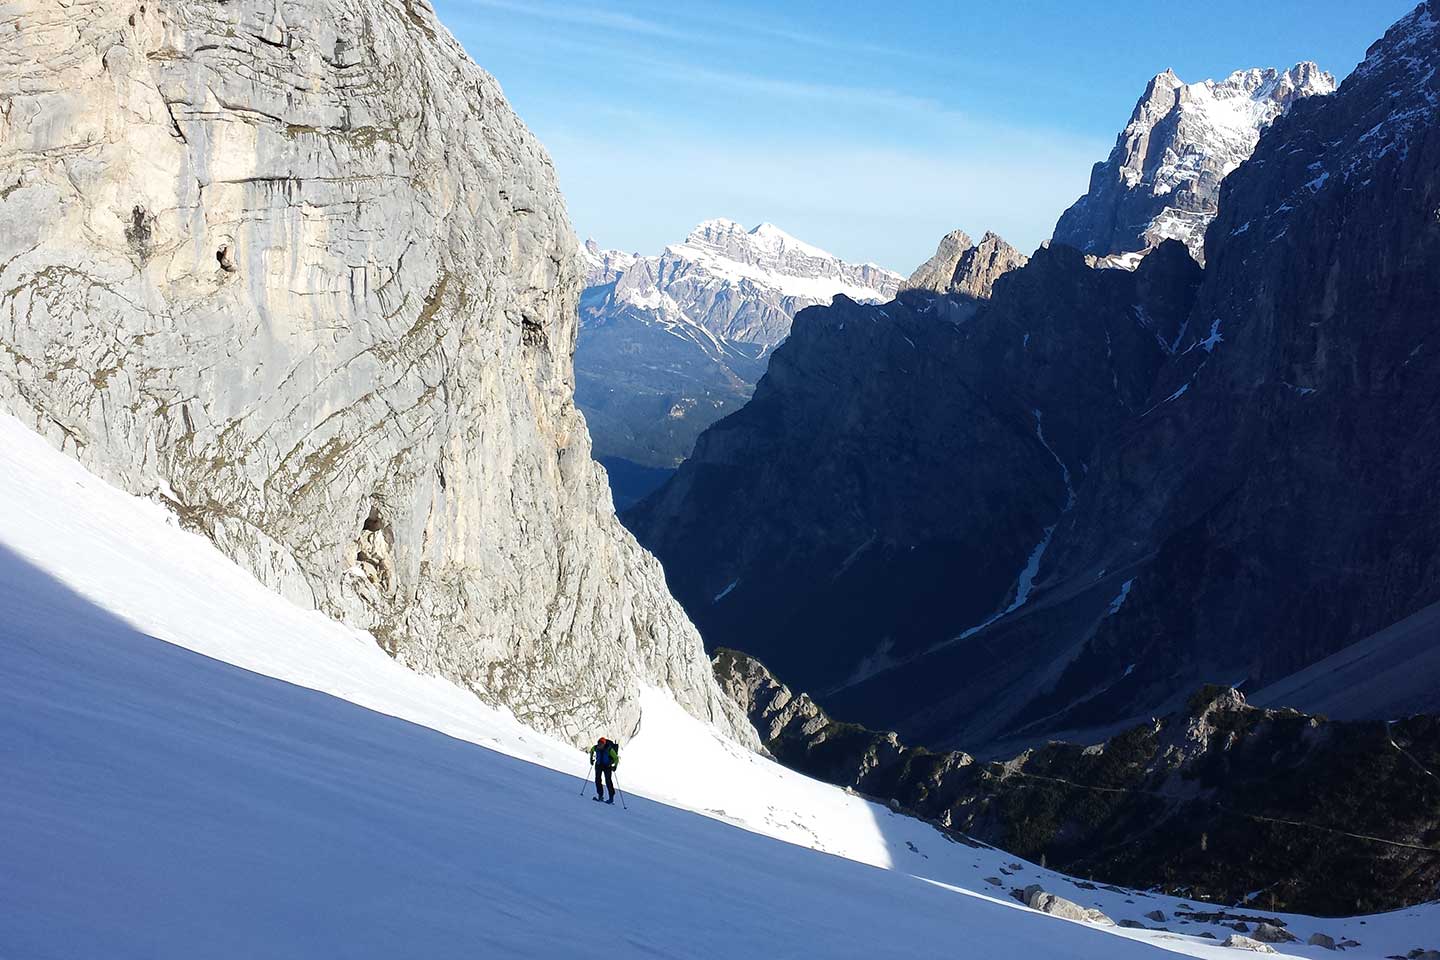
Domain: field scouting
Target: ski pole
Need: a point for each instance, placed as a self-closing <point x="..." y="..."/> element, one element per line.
<point x="623" y="804"/>
<point x="585" y="781"/>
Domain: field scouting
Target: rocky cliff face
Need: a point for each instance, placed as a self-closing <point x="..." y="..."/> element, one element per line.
<point x="894" y="482"/>
<point x="296" y="269"/>
<point x="965" y="268"/>
<point x="1067" y="508"/>
<point x="1162" y="180"/>
<point x="670" y="344"/>
<point x="1215" y="801"/>
<point x="1294" y="524"/>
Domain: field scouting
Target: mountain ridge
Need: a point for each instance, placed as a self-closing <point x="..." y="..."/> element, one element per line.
<point x="670" y="343"/>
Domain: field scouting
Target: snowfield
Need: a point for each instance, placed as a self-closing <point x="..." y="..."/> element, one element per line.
<point x="194" y="768"/>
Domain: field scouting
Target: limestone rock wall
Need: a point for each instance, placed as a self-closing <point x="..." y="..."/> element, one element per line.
<point x="297" y="269"/>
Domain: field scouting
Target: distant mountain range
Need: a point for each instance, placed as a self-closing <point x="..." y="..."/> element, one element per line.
<point x="669" y="344"/>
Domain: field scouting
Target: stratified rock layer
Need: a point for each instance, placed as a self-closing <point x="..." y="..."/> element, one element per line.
<point x="298" y="270"/>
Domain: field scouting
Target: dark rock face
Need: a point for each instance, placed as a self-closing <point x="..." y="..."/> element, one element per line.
<point x="1283" y="497"/>
<point x="900" y="467"/>
<point x="1058" y="512"/>
<point x="1214" y="801"/>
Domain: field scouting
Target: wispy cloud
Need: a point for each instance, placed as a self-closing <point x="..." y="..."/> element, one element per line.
<point x="698" y="29"/>
<point x="591" y="15"/>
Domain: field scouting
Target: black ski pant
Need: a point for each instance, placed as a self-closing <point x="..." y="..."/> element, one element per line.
<point x="609" y="773"/>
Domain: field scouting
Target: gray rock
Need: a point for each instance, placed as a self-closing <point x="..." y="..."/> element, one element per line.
<point x="1270" y="933"/>
<point x="296" y="269"/>
<point x="1321" y="940"/>
<point x="1036" y="898"/>
<point x="1157" y="915"/>
<point x="965" y="268"/>
<point x="1237" y="942"/>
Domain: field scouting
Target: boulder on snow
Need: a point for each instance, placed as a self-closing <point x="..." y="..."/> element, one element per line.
<point x="1157" y="915"/>
<point x="1321" y="940"/>
<point x="1270" y="933"/>
<point x="1036" y="898"/>
<point x="1238" y="942"/>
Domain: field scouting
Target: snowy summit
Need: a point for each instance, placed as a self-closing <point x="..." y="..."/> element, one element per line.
<point x="671" y="343"/>
<point x="740" y="285"/>
<point x="1162" y="179"/>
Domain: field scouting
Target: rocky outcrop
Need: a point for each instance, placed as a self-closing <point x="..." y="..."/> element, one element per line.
<point x="1215" y="801"/>
<point x="965" y="268"/>
<point x="797" y="732"/>
<point x="1037" y="898"/>
<point x="672" y="343"/>
<point x="1162" y="180"/>
<point x="296" y="269"/>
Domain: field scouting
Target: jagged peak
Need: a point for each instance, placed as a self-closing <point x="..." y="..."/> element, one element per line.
<point x="959" y="265"/>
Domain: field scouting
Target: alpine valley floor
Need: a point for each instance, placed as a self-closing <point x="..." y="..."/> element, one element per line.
<point x="195" y="768"/>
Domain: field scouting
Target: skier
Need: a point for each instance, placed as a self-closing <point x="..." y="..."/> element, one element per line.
<point x="605" y="757"/>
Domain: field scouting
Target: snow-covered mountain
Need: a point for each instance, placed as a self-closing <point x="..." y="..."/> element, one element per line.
<point x="195" y="767"/>
<point x="671" y="343"/>
<point x="742" y="286"/>
<point x="1162" y="180"/>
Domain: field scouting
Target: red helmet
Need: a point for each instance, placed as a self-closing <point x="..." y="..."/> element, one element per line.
<point x="603" y="741"/>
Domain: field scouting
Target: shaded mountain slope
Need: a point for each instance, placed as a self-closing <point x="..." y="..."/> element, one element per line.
<point x="1113" y="495"/>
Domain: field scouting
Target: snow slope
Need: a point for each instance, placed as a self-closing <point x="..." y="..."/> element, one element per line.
<point x="195" y="768"/>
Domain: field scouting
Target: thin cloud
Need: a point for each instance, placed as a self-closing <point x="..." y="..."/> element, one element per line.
<point x="591" y="16"/>
<point x="610" y="18"/>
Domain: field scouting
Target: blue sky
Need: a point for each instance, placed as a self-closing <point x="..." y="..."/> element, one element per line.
<point x="869" y="128"/>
